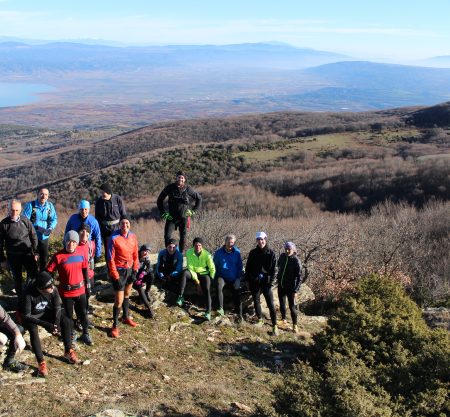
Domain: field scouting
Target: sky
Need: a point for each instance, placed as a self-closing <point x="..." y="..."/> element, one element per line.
<point x="382" y="29"/>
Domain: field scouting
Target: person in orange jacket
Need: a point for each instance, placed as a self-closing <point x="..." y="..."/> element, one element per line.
<point x="123" y="265"/>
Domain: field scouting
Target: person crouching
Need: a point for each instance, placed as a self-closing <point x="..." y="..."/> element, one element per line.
<point x="43" y="308"/>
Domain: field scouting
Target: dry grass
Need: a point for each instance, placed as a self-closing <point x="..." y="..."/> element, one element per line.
<point x="195" y="370"/>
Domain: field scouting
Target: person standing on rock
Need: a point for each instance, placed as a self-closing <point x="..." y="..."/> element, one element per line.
<point x="260" y="275"/>
<point x="123" y="265"/>
<point x="43" y="308"/>
<point x="289" y="280"/>
<point x="42" y="215"/>
<point x="229" y="270"/>
<point x="83" y="217"/>
<point x="183" y="203"/>
<point x="72" y="267"/>
<point x="201" y="269"/>
<point x="10" y="331"/>
<point x="88" y="247"/>
<point x="109" y="208"/>
<point x="18" y="238"/>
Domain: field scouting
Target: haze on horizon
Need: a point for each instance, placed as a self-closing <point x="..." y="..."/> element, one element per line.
<point x="399" y="31"/>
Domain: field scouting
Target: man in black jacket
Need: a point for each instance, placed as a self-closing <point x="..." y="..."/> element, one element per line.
<point x="19" y="239"/>
<point x="180" y="199"/>
<point x="109" y="208"/>
<point x="43" y="308"/>
<point x="260" y="275"/>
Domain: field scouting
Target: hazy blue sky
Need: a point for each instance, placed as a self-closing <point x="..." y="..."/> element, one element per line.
<point x="395" y="29"/>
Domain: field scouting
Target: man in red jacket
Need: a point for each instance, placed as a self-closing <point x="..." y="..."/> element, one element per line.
<point x="123" y="264"/>
<point x="72" y="267"/>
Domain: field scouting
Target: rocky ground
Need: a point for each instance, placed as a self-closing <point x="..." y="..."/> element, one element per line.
<point x="176" y="364"/>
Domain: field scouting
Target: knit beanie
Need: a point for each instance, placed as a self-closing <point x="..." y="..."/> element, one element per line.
<point x="106" y="188"/>
<point x="43" y="280"/>
<point x="71" y="235"/>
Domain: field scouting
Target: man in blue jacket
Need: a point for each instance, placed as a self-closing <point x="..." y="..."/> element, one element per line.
<point x="170" y="263"/>
<point x="42" y="215"/>
<point x="229" y="271"/>
<point x="83" y="216"/>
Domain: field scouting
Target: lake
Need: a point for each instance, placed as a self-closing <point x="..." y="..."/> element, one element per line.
<point x="18" y="94"/>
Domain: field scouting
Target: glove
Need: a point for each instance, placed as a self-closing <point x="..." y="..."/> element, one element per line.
<point x="47" y="232"/>
<point x="196" y="280"/>
<point x="49" y="327"/>
<point x="134" y="275"/>
<point x="166" y="216"/>
<point x="189" y="212"/>
<point x="174" y="274"/>
<point x="41" y="230"/>
<point x="19" y="343"/>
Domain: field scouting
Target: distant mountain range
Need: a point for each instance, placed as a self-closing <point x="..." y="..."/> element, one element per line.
<point x="151" y="83"/>
<point x="65" y="56"/>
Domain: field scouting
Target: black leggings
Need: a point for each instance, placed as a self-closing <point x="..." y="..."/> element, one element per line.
<point x="171" y="226"/>
<point x="221" y="283"/>
<point x="43" y="253"/>
<point x="66" y="330"/>
<point x="79" y="304"/>
<point x="257" y="288"/>
<point x="144" y="290"/>
<point x="290" y="294"/>
<point x="205" y="283"/>
<point x="10" y="353"/>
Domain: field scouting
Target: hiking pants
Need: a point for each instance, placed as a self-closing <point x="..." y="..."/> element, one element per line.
<point x="256" y="289"/>
<point x="236" y="291"/>
<point x="290" y="294"/>
<point x="66" y="330"/>
<point x="205" y="283"/>
<point x="16" y="264"/>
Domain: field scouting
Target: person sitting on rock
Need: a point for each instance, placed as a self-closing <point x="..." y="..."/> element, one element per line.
<point x="201" y="270"/>
<point x="170" y="263"/>
<point x="144" y="278"/>
<point x="229" y="270"/>
<point x="43" y="308"/>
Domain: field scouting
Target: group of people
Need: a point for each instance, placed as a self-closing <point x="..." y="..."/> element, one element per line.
<point x="24" y="241"/>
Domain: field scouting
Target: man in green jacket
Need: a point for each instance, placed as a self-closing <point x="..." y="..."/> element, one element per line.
<point x="201" y="269"/>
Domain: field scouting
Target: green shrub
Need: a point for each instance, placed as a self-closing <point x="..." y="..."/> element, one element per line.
<point x="376" y="358"/>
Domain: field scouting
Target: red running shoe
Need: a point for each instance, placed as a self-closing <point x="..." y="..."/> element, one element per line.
<point x="71" y="356"/>
<point x="114" y="332"/>
<point x="43" y="370"/>
<point x="129" y="322"/>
